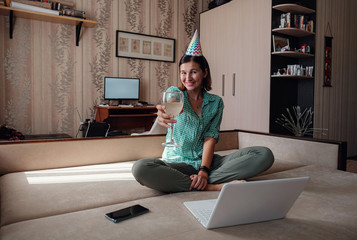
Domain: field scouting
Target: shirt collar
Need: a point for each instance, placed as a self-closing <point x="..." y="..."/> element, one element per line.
<point x="207" y="97"/>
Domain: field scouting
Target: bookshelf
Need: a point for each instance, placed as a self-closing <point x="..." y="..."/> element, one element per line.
<point x="293" y="54"/>
<point x="292" y="77"/>
<point x="291" y="89"/>
<point x="292" y="7"/>
<point x="15" y="12"/>
<point x="294" y="32"/>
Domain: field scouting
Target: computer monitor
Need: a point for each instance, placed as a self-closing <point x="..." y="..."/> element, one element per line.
<point x="119" y="88"/>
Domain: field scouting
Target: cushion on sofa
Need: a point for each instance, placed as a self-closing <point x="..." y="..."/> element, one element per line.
<point x="326" y="209"/>
<point x="35" y="194"/>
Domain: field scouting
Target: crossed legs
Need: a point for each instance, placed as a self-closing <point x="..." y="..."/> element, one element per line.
<point x="175" y="177"/>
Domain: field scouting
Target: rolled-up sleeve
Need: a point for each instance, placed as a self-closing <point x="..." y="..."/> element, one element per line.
<point x="213" y="130"/>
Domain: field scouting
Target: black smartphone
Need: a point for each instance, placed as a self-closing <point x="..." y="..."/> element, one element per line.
<point x="126" y="213"/>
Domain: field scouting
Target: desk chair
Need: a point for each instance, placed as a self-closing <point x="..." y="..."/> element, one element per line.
<point x="155" y="129"/>
<point x="97" y="129"/>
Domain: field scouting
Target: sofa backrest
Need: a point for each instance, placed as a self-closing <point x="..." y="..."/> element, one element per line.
<point x="308" y="151"/>
<point x="36" y="155"/>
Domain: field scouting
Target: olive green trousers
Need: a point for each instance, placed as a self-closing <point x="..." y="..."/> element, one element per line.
<point x="175" y="177"/>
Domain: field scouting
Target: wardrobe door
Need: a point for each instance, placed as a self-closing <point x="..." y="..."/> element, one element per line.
<point x="253" y="64"/>
<point x="208" y="39"/>
<point x="235" y="39"/>
<point x="217" y="42"/>
<point x="229" y="36"/>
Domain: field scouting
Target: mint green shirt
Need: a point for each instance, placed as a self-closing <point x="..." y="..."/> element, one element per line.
<point x="191" y="129"/>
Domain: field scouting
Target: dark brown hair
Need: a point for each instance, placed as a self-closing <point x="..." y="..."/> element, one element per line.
<point x="202" y="62"/>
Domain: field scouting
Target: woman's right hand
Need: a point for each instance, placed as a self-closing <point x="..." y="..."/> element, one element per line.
<point x="163" y="118"/>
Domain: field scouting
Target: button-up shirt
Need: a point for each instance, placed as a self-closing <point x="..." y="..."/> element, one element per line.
<point x="190" y="130"/>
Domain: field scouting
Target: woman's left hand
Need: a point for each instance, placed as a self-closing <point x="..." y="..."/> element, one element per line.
<point x="199" y="181"/>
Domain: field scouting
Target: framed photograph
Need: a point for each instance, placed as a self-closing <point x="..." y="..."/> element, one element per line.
<point x="142" y="46"/>
<point x="280" y="43"/>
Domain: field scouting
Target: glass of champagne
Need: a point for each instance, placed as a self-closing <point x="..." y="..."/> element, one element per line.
<point x="173" y="102"/>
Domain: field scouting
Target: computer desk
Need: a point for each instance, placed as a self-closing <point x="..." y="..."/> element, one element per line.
<point x="121" y="118"/>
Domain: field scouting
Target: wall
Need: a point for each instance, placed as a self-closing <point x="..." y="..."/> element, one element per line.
<point x="45" y="78"/>
<point x="336" y="106"/>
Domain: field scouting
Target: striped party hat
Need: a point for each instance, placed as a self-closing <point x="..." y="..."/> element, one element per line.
<point x="194" y="49"/>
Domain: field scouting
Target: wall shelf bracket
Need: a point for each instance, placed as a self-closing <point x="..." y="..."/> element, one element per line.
<point x="11" y="23"/>
<point x="78" y="32"/>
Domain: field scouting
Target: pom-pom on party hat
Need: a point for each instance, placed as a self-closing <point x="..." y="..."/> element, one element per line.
<point x="194" y="49"/>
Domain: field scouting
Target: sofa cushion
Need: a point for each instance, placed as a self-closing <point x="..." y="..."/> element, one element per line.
<point x="35" y="194"/>
<point x="325" y="210"/>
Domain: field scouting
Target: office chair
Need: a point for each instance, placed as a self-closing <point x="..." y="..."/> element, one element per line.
<point x="97" y="129"/>
<point x="155" y="129"/>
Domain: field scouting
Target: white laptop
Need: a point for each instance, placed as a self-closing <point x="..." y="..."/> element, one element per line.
<point x="248" y="202"/>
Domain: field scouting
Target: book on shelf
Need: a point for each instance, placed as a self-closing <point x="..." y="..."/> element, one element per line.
<point x="60" y="5"/>
<point x="42" y="4"/>
<point x="64" y="3"/>
<point x="73" y="13"/>
<point x="23" y="6"/>
<point x="291" y="20"/>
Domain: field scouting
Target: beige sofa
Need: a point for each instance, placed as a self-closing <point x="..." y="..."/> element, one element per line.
<point x="61" y="189"/>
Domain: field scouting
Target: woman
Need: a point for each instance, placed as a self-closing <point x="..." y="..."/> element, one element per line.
<point x="194" y="166"/>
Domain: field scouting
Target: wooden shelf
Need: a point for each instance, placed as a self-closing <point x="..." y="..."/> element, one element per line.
<point x="21" y="13"/>
<point x="291" y="76"/>
<point x="293" y="54"/>
<point x="130" y="108"/>
<point x="133" y="115"/>
<point x="294" y="32"/>
<point x="127" y="117"/>
<point x="294" y="8"/>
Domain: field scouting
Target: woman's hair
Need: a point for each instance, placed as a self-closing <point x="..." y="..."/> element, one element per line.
<point x="202" y="62"/>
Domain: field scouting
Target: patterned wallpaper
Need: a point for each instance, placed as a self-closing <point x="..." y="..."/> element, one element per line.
<point x="46" y="80"/>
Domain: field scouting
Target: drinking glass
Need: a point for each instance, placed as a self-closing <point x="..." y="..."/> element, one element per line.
<point x="173" y="101"/>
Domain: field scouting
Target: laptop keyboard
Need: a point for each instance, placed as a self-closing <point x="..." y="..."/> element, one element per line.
<point x="202" y="214"/>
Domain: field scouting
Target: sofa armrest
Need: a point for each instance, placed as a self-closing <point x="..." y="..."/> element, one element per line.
<point x="308" y="151"/>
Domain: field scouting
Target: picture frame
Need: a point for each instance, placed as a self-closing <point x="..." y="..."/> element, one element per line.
<point x="146" y="47"/>
<point x="279" y="43"/>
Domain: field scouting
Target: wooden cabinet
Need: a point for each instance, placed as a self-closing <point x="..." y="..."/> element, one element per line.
<point x="235" y="39"/>
<point x="292" y="88"/>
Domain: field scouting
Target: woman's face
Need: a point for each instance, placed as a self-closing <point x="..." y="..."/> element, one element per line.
<point x="191" y="75"/>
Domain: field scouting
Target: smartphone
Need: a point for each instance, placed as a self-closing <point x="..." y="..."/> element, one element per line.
<point x="126" y="213"/>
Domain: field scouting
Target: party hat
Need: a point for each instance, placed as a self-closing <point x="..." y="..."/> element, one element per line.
<point x="194" y="49"/>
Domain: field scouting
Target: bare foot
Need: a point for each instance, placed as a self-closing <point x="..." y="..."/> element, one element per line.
<point x="218" y="187"/>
